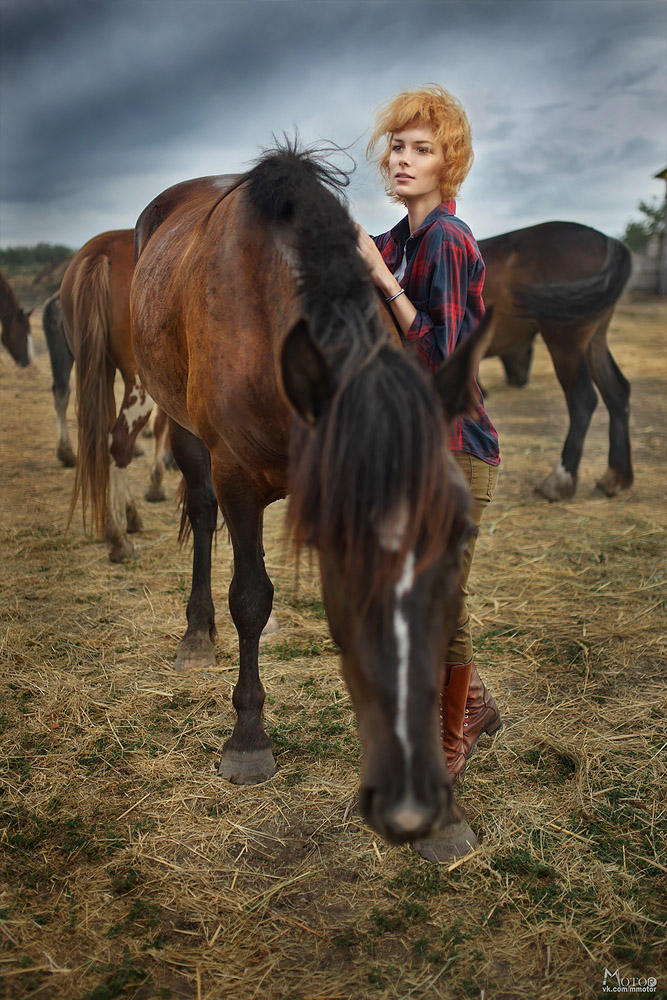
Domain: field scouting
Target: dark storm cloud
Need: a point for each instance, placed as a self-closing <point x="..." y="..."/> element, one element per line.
<point x="110" y="90"/>
<point x="104" y="102"/>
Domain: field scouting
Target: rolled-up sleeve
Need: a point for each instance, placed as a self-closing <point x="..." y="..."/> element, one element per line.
<point x="444" y="272"/>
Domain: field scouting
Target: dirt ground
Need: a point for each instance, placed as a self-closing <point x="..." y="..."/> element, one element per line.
<point x="128" y="868"/>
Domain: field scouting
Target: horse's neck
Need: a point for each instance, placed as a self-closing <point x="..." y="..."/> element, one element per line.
<point x="9" y="304"/>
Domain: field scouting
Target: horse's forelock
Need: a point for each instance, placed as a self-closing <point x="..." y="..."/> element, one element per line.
<point x="376" y="462"/>
<point x="294" y="191"/>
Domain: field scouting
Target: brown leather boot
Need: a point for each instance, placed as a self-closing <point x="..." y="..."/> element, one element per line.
<point x="452" y="715"/>
<point x="481" y="713"/>
<point x="464" y="723"/>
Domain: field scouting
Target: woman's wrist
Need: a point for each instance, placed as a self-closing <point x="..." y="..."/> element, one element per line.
<point x="391" y="288"/>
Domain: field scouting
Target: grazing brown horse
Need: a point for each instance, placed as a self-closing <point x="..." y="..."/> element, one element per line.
<point x="257" y="329"/>
<point x="15" y="325"/>
<point x="563" y="280"/>
<point x="95" y="300"/>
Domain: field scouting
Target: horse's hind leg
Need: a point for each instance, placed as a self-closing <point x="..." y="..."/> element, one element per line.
<point x="122" y="515"/>
<point x="61" y="360"/>
<point x="155" y="491"/>
<point x="196" y="649"/>
<point x="246" y="756"/>
<point x="615" y="391"/>
<point x="64" y="451"/>
<point x="572" y="371"/>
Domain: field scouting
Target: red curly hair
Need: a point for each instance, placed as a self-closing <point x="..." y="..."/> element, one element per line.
<point x="435" y="107"/>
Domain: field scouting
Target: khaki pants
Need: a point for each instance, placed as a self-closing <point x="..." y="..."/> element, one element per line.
<point x="482" y="480"/>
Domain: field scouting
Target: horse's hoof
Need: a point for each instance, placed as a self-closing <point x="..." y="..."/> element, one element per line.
<point x="612" y="483"/>
<point x="123" y="551"/>
<point x="66" y="456"/>
<point x="270" y="627"/>
<point x="559" y="485"/>
<point x="155" y="494"/>
<point x="247" y="767"/>
<point x="195" y="652"/>
<point x="456" y="840"/>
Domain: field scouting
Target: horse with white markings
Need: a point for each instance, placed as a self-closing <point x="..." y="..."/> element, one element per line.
<point x="257" y="329"/>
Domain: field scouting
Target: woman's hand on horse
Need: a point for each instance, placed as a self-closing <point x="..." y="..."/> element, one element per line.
<point x="378" y="270"/>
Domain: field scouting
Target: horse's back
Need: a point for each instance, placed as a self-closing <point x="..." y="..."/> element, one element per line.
<point x="206" y="270"/>
<point x="110" y="252"/>
<point x="551" y="252"/>
<point x="199" y="193"/>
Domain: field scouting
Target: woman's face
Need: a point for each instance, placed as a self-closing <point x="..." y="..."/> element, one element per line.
<point x="416" y="163"/>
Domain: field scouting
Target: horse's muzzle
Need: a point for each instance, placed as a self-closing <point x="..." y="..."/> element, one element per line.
<point x="407" y="819"/>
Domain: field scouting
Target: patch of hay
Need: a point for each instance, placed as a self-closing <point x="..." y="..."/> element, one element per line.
<point x="129" y="868"/>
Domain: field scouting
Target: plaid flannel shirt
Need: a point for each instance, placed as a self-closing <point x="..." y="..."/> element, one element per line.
<point x="443" y="280"/>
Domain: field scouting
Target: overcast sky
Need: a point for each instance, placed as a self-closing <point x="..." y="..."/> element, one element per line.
<point x="104" y="103"/>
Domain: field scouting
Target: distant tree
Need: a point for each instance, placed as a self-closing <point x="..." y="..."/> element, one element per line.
<point x="639" y="231"/>
<point x="34" y="256"/>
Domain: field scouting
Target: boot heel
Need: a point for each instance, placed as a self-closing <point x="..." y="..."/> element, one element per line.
<point x="493" y="726"/>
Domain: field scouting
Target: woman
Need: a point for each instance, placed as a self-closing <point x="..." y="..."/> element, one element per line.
<point x="431" y="273"/>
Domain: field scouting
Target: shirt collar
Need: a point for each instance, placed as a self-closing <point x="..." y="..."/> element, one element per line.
<point x="401" y="231"/>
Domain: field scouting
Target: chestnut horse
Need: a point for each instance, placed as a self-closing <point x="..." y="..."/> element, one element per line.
<point x="256" y="327"/>
<point x="95" y="304"/>
<point x="15" y="325"/>
<point x="563" y="280"/>
<point x="62" y="361"/>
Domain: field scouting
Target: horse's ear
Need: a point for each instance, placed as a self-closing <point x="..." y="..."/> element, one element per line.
<point x="455" y="380"/>
<point x="306" y="374"/>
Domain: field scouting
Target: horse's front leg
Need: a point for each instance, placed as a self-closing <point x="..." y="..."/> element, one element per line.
<point x="122" y="515"/>
<point x="247" y="757"/>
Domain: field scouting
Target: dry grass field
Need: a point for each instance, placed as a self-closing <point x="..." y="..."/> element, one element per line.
<point x="129" y="869"/>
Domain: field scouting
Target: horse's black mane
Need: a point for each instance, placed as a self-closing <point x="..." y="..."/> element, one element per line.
<point x="298" y="190"/>
<point x="379" y="453"/>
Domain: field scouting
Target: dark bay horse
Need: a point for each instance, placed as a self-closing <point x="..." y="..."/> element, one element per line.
<point x="563" y="280"/>
<point x="15" y="325"/>
<point x="95" y="310"/>
<point x="256" y="328"/>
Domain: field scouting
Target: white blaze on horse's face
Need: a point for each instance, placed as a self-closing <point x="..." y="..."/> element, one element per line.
<point x="391" y="532"/>
<point x="402" y="634"/>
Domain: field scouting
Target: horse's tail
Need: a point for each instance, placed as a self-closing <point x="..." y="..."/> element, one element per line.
<point x="91" y="306"/>
<point x="580" y="300"/>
